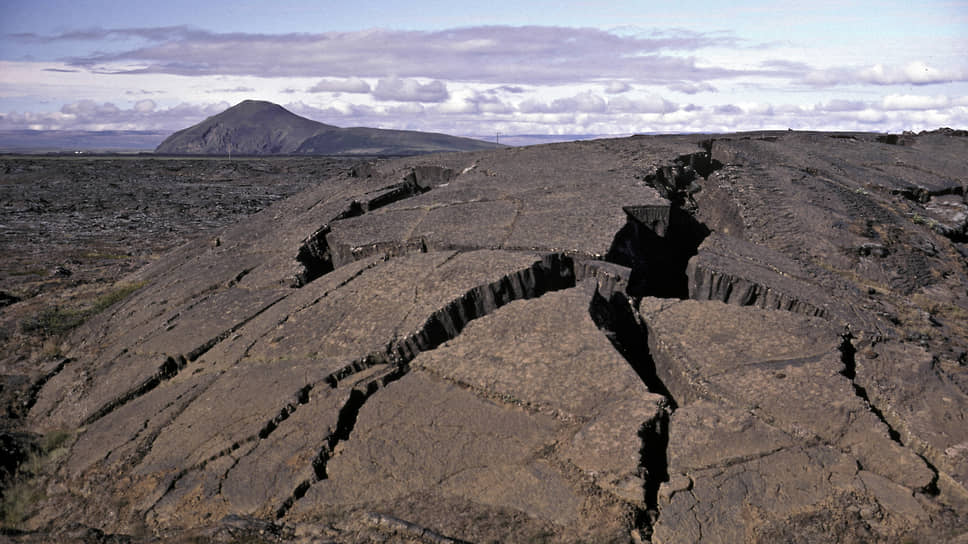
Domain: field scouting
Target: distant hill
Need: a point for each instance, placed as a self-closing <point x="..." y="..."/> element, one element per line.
<point x="256" y="127"/>
<point x="60" y="141"/>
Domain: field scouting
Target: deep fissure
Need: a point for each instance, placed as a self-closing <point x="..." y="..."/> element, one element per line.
<point x="657" y="242"/>
<point x="657" y="251"/>
<point x="618" y="320"/>
<point x="553" y="272"/>
<point x="315" y="254"/>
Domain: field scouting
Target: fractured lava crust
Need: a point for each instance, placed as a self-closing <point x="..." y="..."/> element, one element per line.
<point x="501" y="346"/>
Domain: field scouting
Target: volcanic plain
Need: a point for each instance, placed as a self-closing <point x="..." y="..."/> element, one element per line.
<point x="732" y="338"/>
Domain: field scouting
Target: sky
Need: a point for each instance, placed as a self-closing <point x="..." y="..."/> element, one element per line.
<point x="489" y="67"/>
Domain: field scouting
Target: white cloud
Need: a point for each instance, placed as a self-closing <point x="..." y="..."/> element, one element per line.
<point x="917" y="73"/>
<point x="410" y="108"/>
<point x="728" y="109"/>
<point x="410" y="90"/>
<point x="645" y="104"/>
<point x="586" y="102"/>
<point x="231" y="90"/>
<point x="840" y="104"/>
<point x="912" y="73"/>
<point x="90" y="115"/>
<point x="347" y="85"/>
<point x="914" y="102"/>
<point x="686" y="87"/>
<point x="469" y="101"/>
<point x="617" y="87"/>
<point x="758" y="108"/>
<point x="870" y="116"/>
<point x="144" y="106"/>
<point x="513" y="89"/>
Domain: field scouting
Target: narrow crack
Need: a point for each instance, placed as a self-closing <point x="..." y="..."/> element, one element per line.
<point x="552" y="273"/>
<point x="147" y="443"/>
<point x="166" y="371"/>
<point x="171" y="367"/>
<point x="34" y="390"/>
<point x="848" y="353"/>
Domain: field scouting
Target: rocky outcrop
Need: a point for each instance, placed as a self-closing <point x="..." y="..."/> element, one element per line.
<point x="653" y="338"/>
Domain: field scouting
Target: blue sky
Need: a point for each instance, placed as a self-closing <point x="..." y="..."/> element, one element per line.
<point x="477" y="68"/>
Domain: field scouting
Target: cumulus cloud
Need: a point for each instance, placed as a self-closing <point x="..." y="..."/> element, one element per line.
<point x="760" y="109"/>
<point x="647" y="104"/>
<point x="617" y="87"/>
<point x="870" y="116"/>
<point x="336" y="109"/>
<point x="474" y="102"/>
<point x="90" y="108"/>
<point x="913" y="73"/>
<point x="586" y="102"/>
<point x="513" y="89"/>
<point x="410" y="90"/>
<point x="916" y="73"/>
<point x="789" y="66"/>
<point x="686" y="87"/>
<point x="728" y="109"/>
<point x="91" y="115"/>
<point x="348" y="85"/>
<point x="405" y="109"/>
<point x="839" y="104"/>
<point x="914" y="102"/>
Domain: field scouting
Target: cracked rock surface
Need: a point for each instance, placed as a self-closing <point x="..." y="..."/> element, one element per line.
<point x="746" y="338"/>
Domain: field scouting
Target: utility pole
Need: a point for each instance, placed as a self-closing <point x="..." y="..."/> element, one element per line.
<point x="497" y="138"/>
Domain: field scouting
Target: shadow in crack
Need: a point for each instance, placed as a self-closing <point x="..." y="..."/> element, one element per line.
<point x="620" y="323"/>
<point x="617" y="319"/>
<point x="658" y="263"/>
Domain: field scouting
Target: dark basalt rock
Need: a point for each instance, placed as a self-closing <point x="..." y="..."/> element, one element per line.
<point x="677" y="339"/>
<point x="7" y="299"/>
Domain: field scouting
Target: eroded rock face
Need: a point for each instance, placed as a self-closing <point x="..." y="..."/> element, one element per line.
<point x="495" y="346"/>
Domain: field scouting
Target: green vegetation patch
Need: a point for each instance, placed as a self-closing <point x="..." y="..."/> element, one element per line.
<point x="58" y="320"/>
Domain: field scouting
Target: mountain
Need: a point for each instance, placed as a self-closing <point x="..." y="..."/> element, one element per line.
<point x="255" y="127"/>
<point x="251" y="127"/>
